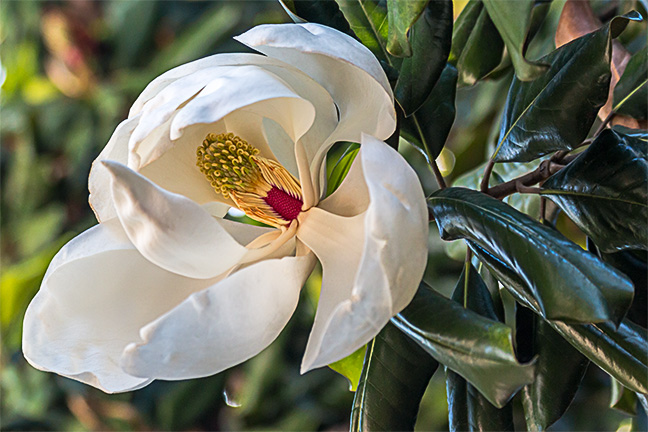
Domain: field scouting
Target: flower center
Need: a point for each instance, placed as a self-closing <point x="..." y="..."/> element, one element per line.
<point x="260" y="187"/>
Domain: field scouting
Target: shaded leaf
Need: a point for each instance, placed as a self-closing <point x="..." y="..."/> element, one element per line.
<point x="368" y="20"/>
<point x="482" y="51"/>
<point x="545" y="402"/>
<point x="324" y="12"/>
<point x="477" y="348"/>
<point x="631" y="92"/>
<point x="341" y="168"/>
<point x="560" y="280"/>
<point x="430" y="40"/>
<point x="557" y="110"/>
<point x="621" y="352"/>
<point x="395" y="375"/>
<point x="401" y="15"/>
<point x="605" y="191"/>
<point x="429" y="127"/>
<point x="468" y="409"/>
<point x="636" y="268"/>
<point x="513" y="19"/>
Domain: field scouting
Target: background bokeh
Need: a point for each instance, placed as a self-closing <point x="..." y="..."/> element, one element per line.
<point x="69" y="72"/>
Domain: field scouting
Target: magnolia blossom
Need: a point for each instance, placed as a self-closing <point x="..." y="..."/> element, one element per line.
<point x="165" y="288"/>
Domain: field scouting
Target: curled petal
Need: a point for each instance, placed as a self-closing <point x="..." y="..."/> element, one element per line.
<point x="372" y="262"/>
<point x="96" y="295"/>
<point x="100" y="198"/>
<point x="223" y="325"/>
<point x="170" y="230"/>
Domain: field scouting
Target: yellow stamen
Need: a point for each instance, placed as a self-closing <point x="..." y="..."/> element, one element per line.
<point x="260" y="187"/>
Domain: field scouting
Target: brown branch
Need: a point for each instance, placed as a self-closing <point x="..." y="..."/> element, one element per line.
<point x="487" y="173"/>
<point x="521" y="184"/>
<point x="437" y="173"/>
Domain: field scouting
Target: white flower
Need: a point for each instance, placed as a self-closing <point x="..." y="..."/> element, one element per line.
<point x="165" y="288"/>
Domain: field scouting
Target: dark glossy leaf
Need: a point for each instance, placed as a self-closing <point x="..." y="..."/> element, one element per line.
<point x="429" y="127"/>
<point x="558" y="362"/>
<point x="561" y="280"/>
<point x="368" y="20"/>
<point x="430" y="38"/>
<point x="636" y="269"/>
<point x="324" y="12"/>
<point x="631" y="92"/>
<point x="512" y="19"/>
<point x="468" y="409"/>
<point x="605" y="191"/>
<point x="477" y="348"/>
<point x="477" y="47"/>
<point x="557" y="110"/>
<point x="623" y="399"/>
<point x="395" y="375"/>
<point x="622" y="352"/>
<point x="401" y="15"/>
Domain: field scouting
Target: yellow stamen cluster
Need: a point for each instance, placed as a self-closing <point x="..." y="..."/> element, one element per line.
<point x="228" y="163"/>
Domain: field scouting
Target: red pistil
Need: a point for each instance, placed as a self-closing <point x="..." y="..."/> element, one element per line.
<point x="286" y="205"/>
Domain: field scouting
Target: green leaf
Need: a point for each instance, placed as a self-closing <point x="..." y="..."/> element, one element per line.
<point x="350" y="367"/>
<point x="631" y="92"/>
<point x="477" y="47"/>
<point x="429" y="127"/>
<point x="468" y="409"/>
<point x="430" y="39"/>
<point x="605" y="191"/>
<point x="401" y="15"/>
<point x="545" y="402"/>
<point x="557" y="110"/>
<point x="561" y="280"/>
<point x="622" y="399"/>
<point x="512" y="19"/>
<point x="621" y="352"/>
<point x="394" y="378"/>
<point x="477" y="348"/>
<point x="368" y="20"/>
<point x="324" y="12"/>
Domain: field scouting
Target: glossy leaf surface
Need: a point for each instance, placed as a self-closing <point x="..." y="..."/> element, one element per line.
<point x="395" y="375"/>
<point x="468" y="409"/>
<point x="545" y="401"/>
<point x="430" y="39"/>
<point x="557" y="110"/>
<point x="560" y="279"/>
<point x="368" y="20"/>
<point x="477" y="348"/>
<point x="631" y="92"/>
<point x="622" y="352"/>
<point x="512" y="19"/>
<point x="605" y="191"/>
<point x="429" y="127"/>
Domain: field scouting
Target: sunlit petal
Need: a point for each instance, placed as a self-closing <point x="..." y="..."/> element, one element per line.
<point x="223" y="325"/>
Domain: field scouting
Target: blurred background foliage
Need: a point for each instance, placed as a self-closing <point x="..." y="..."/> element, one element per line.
<point x="70" y="71"/>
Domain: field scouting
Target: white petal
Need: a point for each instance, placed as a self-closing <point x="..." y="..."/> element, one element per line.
<point x="97" y="293"/>
<point x="233" y="87"/>
<point x="171" y="230"/>
<point x="343" y="66"/>
<point x="371" y="270"/>
<point x="100" y="198"/>
<point x="223" y="325"/>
